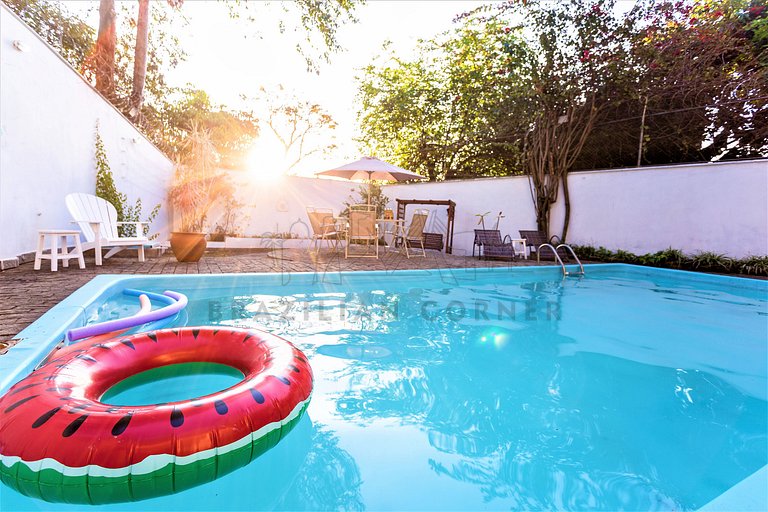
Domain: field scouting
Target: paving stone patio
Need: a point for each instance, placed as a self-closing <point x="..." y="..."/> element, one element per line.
<point x="25" y="294"/>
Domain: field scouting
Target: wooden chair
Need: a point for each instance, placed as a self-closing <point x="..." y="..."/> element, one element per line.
<point x="324" y="228"/>
<point x="491" y="245"/>
<point x="414" y="236"/>
<point x="97" y="219"/>
<point x="362" y="229"/>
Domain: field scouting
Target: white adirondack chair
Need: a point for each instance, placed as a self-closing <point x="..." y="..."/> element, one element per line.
<point x="97" y="219"/>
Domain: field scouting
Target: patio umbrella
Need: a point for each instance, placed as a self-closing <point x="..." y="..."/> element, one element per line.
<point x="369" y="168"/>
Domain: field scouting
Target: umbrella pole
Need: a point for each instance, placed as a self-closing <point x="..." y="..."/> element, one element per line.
<point x="370" y="187"/>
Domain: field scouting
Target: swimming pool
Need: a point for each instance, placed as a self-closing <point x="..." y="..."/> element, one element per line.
<point x="629" y="388"/>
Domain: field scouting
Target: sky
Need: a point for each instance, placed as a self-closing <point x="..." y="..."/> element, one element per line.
<point x="228" y="58"/>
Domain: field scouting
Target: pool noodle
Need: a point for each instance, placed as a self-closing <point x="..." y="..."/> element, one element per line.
<point x="144" y="306"/>
<point x="176" y="302"/>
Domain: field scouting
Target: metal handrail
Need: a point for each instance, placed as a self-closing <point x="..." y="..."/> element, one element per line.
<point x="558" y="258"/>
<point x="573" y="253"/>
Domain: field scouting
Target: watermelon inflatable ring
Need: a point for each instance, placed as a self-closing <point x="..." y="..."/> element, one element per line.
<point x="58" y="442"/>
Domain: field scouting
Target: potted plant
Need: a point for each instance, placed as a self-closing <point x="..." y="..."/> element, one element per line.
<point x="197" y="185"/>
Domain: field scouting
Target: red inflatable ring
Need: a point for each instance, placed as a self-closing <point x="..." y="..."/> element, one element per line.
<point x="58" y="442"/>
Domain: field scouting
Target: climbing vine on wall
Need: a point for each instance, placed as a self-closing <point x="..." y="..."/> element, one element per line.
<point x="106" y="189"/>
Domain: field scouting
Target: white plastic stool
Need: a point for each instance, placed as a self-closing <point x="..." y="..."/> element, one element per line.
<point x="56" y="236"/>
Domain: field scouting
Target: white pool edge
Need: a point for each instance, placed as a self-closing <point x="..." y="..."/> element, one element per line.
<point x="751" y="494"/>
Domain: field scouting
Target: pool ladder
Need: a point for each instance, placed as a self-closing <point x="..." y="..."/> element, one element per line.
<point x="559" y="259"/>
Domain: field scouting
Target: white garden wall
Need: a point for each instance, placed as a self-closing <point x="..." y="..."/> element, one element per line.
<point x="48" y="117"/>
<point x="279" y="205"/>
<point x="719" y="207"/>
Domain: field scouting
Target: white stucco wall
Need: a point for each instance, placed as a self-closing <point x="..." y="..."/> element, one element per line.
<point x="719" y="207"/>
<point x="279" y="205"/>
<point x="48" y="116"/>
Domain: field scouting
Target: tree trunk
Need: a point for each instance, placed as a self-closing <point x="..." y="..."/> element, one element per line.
<point x="105" y="50"/>
<point x="567" y="202"/>
<point x="140" y="61"/>
<point x="542" y="215"/>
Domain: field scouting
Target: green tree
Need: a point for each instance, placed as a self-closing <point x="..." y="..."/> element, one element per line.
<point x="578" y="69"/>
<point x="302" y="127"/>
<point x="434" y="114"/>
<point x="231" y="132"/>
<point x="700" y="87"/>
<point x="316" y="21"/>
<point x="515" y="88"/>
<point x="69" y="35"/>
<point x="141" y="48"/>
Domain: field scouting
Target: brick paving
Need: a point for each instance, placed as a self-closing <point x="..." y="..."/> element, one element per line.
<point x="25" y="294"/>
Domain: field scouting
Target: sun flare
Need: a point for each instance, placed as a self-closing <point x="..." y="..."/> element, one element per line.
<point x="266" y="161"/>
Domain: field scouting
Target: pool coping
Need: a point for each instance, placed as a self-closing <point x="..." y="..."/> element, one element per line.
<point x="45" y="333"/>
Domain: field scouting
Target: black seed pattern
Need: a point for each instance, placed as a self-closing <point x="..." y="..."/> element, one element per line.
<point x="215" y="332"/>
<point x="20" y="402"/>
<point x="300" y="358"/>
<point x="72" y="427"/>
<point x="283" y="380"/>
<point x="78" y="408"/>
<point x="45" y="417"/>
<point x="101" y="345"/>
<point x="22" y="388"/>
<point x="221" y="407"/>
<point x="195" y="332"/>
<point x="256" y="394"/>
<point x="294" y="369"/>
<point x="152" y="336"/>
<point x="247" y="337"/>
<point x="121" y="424"/>
<point x="58" y="390"/>
<point x="128" y="344"/>
<point x="86" y="358"/>
<point x="177" y="418"/>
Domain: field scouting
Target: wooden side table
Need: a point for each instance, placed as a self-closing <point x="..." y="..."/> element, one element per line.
<point x="58" y="236"/>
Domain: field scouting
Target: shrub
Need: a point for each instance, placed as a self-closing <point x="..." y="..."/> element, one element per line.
<point x="106" y="189"/>
<point x="710" y="261"/>
<point x="753" y="265"/>
<point x="673" y="258"/>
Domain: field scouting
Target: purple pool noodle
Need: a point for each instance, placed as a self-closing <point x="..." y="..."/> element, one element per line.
<point x="131" y="321"/>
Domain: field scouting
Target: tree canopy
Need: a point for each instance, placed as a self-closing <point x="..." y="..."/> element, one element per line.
<point x="541" y="88"/>
<point x="669" y="81"/>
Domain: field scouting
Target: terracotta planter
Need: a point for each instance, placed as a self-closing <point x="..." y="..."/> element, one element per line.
<point x="188" y="246"/>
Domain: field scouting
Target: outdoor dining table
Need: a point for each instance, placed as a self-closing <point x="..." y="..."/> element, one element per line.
<point x="393" y="227"/>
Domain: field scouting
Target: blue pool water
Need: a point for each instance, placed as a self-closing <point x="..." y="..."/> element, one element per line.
<point x="501" y="389"/>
